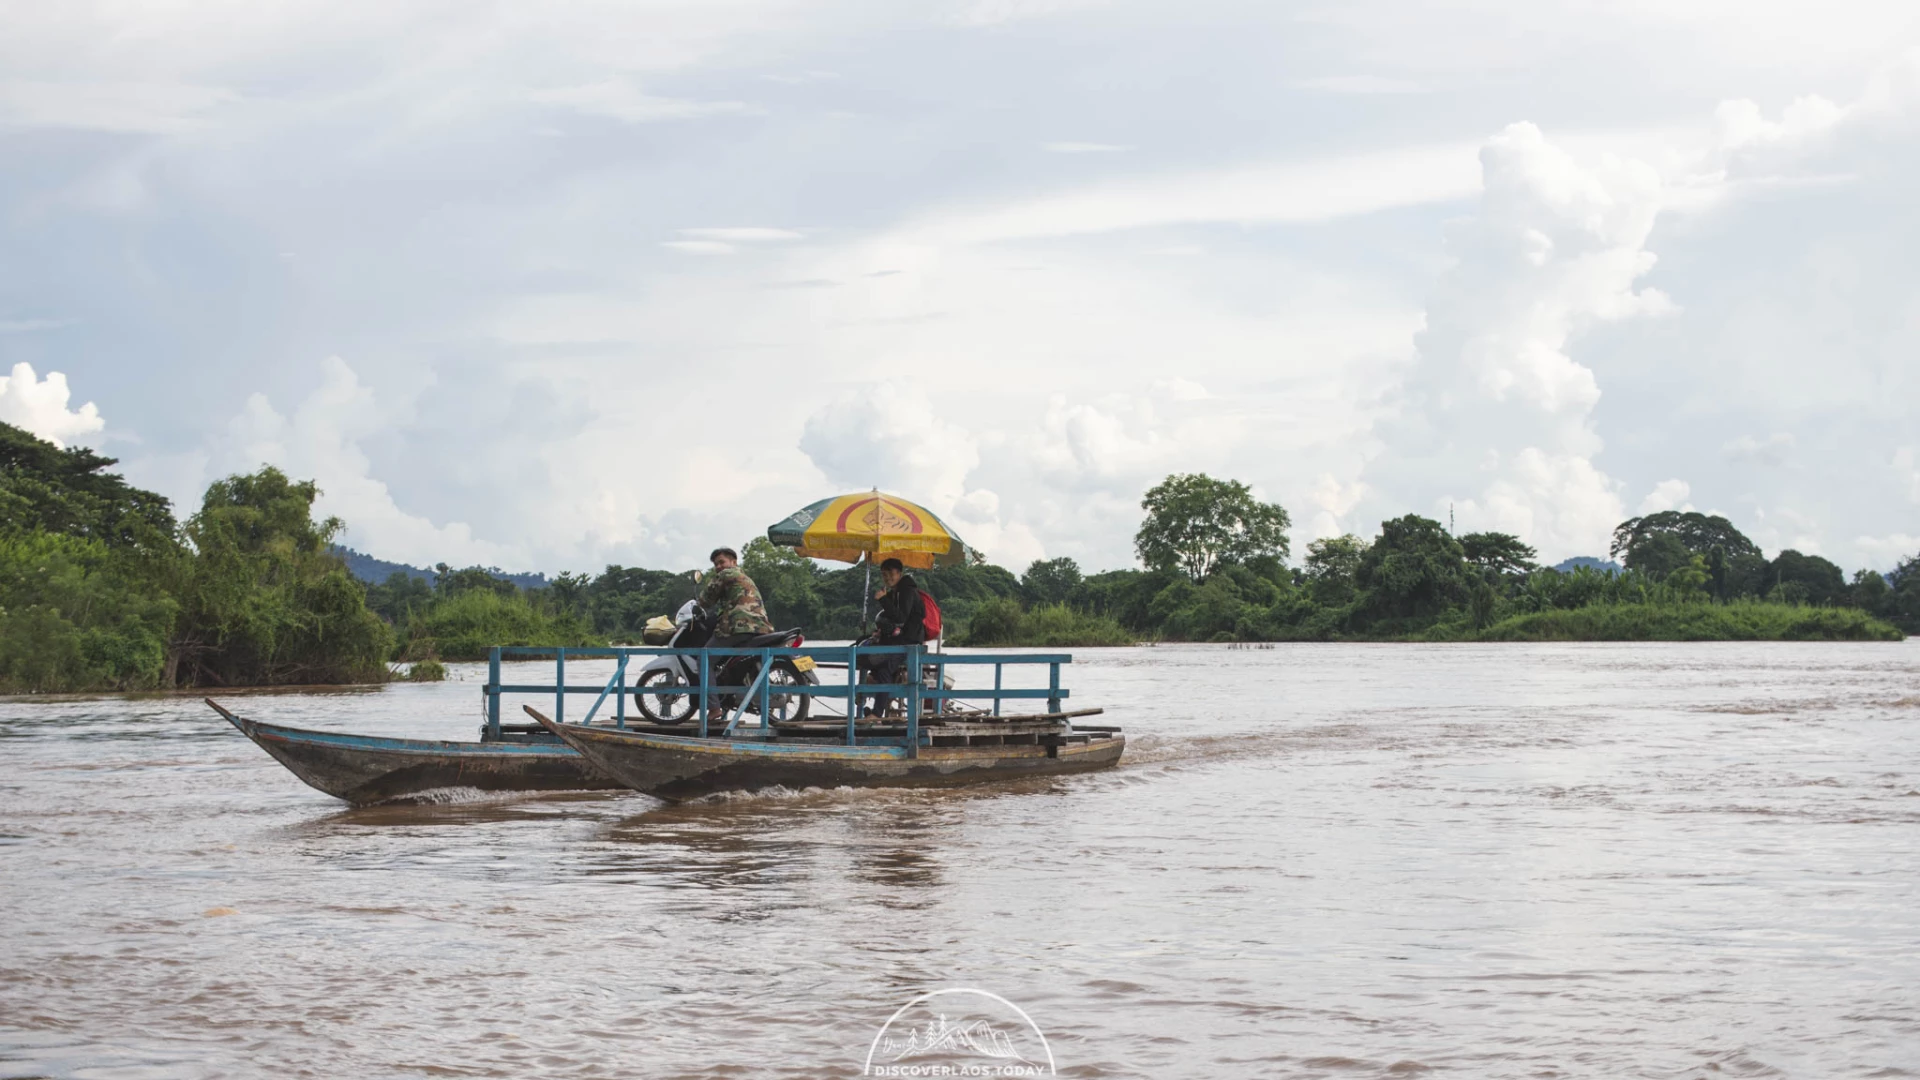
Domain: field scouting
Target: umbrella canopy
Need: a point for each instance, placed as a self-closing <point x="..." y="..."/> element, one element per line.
<point x="870" y="525"/>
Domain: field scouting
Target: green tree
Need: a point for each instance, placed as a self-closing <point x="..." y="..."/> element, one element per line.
<point x="264" y="600"/>
<point x="1870" y="593"/>
<point x="1697" y="533"/>
<point x="1050" y="581"/>
<point x="1904" y="584"/>
<point x="1689" y="582"/>
<point x="1659" y="555"/>
<point x="1195" y="523"/>
<point x="787" y="582"/>
<point x="1498" y="553"/>
<point x="1331" y="565"/>
<point x="1824" y="582"/>
<point x="1414" y="571"/>
<point x="46" y="488"/>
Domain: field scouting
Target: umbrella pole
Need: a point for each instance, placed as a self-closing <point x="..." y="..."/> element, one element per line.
<point x="866" y="594"/>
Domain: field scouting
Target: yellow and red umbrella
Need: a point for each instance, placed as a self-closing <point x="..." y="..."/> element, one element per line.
<point x="870" y="525"/>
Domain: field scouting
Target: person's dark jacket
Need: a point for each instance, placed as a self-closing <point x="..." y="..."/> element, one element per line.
<point x="903" y="615"/>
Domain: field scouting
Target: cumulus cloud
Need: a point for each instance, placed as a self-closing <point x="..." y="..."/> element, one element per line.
<point x="1667" y="495"/>
<point x="321" y="441"/>
<point x="1556" y="246"/>
<point x="887" y="435"/>
<point x="40" y="406"/>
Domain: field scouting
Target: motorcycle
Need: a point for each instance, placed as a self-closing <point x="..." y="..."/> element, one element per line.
<point x="667" y="691"/>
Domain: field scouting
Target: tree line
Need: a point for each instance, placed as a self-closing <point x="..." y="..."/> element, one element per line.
<point x="102" y="588"/>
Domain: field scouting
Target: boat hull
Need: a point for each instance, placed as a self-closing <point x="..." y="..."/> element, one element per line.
<point x="365" y="769"/>
<point x="677" y="767"/>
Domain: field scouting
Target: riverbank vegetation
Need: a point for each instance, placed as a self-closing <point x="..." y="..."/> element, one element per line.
<point x="102" y="588"/>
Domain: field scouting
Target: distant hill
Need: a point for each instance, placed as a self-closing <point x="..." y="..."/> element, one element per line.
<point x="1603" y="565"/>
<point x="372" y="570"/>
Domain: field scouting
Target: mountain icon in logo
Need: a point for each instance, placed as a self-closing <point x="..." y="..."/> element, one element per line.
<point x="936" y="1028"/>
<point x="943" y="1037"/>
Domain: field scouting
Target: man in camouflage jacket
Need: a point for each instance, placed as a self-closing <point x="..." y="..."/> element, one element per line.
<point x="734" y="600"/>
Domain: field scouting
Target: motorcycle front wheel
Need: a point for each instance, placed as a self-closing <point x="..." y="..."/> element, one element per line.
<point x="663" y="696"/>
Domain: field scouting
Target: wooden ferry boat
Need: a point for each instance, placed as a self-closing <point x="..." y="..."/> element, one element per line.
<point x="937" y="739"/>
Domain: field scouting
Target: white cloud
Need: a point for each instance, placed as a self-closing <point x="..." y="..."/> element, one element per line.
<point x="887" y="435"/>
<point x="1361" y="84"/>
<point x="40" y="406"/>
<point x="1083" y="148"/>
<point x="743" y="234"/>
<point x="28" y="326"/>
<point x="700" y="247"/>
<point x="1748" y="449"/>
<point x="321" y="441"/>
<point x="992" y="12"/>
<point x="1666" y="495"/>
<point x="620" y="100"/>
<point x="1906" y="466"/>
<point x="1557" y="245"/>
<point x="1293" y="191"/>
<point x="1886" y="552"/>
<point x="125" y="107"/>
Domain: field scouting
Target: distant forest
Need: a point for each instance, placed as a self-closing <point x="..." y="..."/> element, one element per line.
<point x="101" y="587"/>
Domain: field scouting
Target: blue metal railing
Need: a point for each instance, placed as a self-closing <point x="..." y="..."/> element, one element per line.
<point x="913" y="692"/>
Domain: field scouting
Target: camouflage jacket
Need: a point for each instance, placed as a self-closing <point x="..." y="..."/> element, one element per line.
<point x="735" y="602"/>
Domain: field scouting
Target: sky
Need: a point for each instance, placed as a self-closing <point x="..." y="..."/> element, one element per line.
<point x="551" y="286"/>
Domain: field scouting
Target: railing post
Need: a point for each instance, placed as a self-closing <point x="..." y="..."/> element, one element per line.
<point x="493" y="693"/>
<point x="999" y="669"/>
<point x="560" y="685"/>
<point x="1053" y="688"/>
<point x="913" y="701"/>
<point x="620" y="682"/>
<point x="706" y="680"/>
<point x="766" y="685"/>
<point x="853" y="692"/>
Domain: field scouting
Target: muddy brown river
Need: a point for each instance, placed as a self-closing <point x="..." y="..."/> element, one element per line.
<point x="1315" y="861"/>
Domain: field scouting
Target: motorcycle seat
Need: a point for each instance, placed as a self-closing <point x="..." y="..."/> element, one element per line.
<point x="774" y="640"/>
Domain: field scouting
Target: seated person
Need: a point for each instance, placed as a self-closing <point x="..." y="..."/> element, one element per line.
<point x="738" y="615"/>
<point x="902" y="621"/>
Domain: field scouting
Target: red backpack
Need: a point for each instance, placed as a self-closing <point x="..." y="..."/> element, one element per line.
<point x="933" y="615"/>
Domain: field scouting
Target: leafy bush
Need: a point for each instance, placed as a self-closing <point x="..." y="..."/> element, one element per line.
<point x="464" y="626"/>
<point x="1003" y="623"/>
<point x="1739" y="621"/>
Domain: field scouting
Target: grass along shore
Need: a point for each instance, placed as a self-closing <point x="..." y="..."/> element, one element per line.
<point x="1737" y="621"/>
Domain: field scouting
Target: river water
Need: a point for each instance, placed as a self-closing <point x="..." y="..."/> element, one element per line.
<point x="1315" y="861"/>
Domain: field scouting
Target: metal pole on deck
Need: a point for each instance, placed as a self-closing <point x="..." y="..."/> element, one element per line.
<point x="913" y="701"/>
<point x="766" y="684"/>
<point x="560" y="685"/>
<point x="620" y="702"/>
<point x="493" y="692"/>
<point x="706" y="677"/>
<point x="853" y="690"/>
